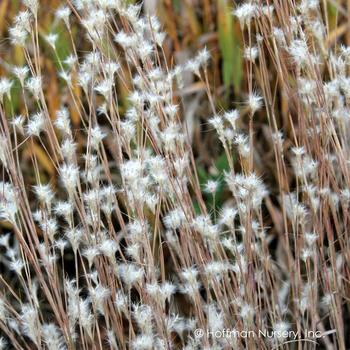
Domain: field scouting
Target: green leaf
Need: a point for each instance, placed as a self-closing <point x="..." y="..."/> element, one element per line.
<point x="13" y="104"/>
<point x="222" y="163"/>
<point x="229" y="47"/>
<point x="177" y="5"/>
<point x="63" y="44"/>
<point x="332" y="13"/>
<point x="196" y="207"/>
<point x="202" y="175"/>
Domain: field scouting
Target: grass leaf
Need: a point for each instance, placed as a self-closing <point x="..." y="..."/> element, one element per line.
<point x="229" y="47"/>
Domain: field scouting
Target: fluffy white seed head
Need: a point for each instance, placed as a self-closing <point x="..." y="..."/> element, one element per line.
<point x="69" y="175"/>
<point x="36" y="124"/>
<point x="63" y="13"/>
<point x="5" y="88"/>
<point x="254" y="102"/>
<point x="33" y="6"/>
<point x="30" y="323"/>
<point x="51" y="39"/>
<point x="52" y="337"/>
<point x="34" y="86"/>
<point x="96" y="136"/>
<point x="245" y="13"/>
<point x="21" y="73"/>
<point x="281" y="329"/>
<point x="62" y="121"/>
<point x="211" y="186"/>
<point x="18" y="35"/>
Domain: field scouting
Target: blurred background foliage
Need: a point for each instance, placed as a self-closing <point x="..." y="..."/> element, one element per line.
<point x="190" y="25"/>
